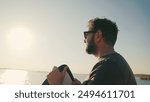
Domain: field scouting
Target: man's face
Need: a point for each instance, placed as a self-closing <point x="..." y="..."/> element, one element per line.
<point x="89" y="40"/>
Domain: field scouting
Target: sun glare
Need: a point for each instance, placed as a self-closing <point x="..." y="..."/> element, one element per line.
<point x="20" y="38"/>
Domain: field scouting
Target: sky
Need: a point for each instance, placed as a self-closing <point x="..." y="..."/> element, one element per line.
<point x="39" y="34"/>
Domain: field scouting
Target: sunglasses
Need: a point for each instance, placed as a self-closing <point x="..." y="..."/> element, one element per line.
<point x="86" y="33"/>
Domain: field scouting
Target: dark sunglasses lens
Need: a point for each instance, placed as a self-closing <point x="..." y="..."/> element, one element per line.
<point x="87" y="32"/>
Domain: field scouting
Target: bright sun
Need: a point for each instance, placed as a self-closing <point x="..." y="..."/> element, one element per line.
<point x="20" y="38"/>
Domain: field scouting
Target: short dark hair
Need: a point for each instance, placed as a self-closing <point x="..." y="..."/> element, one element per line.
<point x="109" y="29"/>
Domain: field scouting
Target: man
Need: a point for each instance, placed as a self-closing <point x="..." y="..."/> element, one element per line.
<point x="111" y="68"/>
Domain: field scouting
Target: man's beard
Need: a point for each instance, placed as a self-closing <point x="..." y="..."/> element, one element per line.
<point x="91" y="48"/>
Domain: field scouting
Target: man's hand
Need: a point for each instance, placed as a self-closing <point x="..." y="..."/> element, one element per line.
<point x="56" y="77"/>
<point x="76" y="82"/>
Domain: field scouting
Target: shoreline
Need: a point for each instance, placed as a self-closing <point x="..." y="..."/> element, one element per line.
<point x="143" y="76"/>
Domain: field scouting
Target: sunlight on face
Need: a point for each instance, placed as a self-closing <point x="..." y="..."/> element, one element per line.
<point x="19" y="38"/>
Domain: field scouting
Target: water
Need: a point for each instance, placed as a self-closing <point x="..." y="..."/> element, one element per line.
<point x="22" y="77"/>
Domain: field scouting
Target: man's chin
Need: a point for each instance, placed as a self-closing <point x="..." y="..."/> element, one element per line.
<point x="89" y="51"/>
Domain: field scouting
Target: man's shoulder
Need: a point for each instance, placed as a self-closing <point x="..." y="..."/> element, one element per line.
<point x="113" y="61"/>
<point x="116" y="58"/>
<point x="106" y="62"/>
<point x="114" y="55"/>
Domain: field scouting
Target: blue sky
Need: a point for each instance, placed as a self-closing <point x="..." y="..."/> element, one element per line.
<point x="54" y="31"/>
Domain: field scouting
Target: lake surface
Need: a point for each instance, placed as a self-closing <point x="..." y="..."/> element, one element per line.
<point x="22" y="77"/>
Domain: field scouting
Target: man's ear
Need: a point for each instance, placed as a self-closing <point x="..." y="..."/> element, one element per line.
<point x="98" y="36"/>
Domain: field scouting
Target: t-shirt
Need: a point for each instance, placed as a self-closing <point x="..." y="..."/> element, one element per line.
<point x="112" y="69"/>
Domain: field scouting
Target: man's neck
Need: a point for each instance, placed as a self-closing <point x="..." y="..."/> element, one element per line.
<point x="104" y="52"/>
